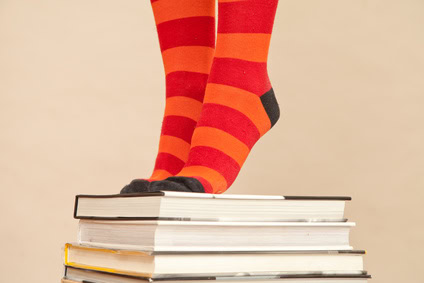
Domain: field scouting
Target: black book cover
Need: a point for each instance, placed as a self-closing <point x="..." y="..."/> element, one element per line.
<point x="155" y="194"/>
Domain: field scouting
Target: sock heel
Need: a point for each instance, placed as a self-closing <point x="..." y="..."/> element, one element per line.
<point x="271" y="107"/>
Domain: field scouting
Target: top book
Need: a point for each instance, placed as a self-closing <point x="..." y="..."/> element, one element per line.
<point x="183" y="206"/>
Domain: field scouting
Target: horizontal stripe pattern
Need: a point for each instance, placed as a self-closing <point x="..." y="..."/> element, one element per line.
<point x="187" y="84"/>
<point x="178" y="126"/>
<point x="231" y="121"/>
<point x="186" y="31"/>
<point x="221" y="140"/>
<point x="169" y="162"/>
<point x="175" y="146"/>
<point x="243" y="101"/>
<point x="214" y="178"/>
<point x="188" y="58"/>
<point x="246" y="16"/>
<point x="246" y="75"/>
<point x="184" y="107"/>
<point x="216" y="160"/>
<point x="168" y="10"/>
<point x="174" y="33"/>
<point x="233" y="116"/>
<point x="244" y="46"/>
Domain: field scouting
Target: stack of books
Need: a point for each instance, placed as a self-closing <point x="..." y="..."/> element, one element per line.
<point x="191" y="237"/>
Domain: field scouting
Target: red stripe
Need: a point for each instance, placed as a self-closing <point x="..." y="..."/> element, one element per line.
<point x="231" y="121"/>
<point x="246" y="16"/>
<point x="216" y="160"/>
<point x="193" y="31"/>
<point x="188" y="84"/>
<point x="151" y="1"/>
<point x="206" y="185"/>
<point x="247" y="75"/>
<point x="178" y="126"/>
<point x="169" y="162"/>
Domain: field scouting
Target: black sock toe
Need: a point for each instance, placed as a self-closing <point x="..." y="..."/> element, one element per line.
<point x="136" y="186"/>
<point x="178" y="184"/>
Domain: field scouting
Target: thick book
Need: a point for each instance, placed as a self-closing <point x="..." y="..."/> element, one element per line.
<point x="78" y="275"/>
<point x="209" y="207"/>
<point x="151" y="235"/>
<point x="168" y="264"/>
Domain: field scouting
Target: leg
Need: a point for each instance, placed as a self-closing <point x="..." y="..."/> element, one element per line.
<point x="239" y="105"/>
<point x="186" y="30"/>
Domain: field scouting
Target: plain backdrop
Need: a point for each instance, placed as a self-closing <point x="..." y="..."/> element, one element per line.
<point x="81" y="105"/>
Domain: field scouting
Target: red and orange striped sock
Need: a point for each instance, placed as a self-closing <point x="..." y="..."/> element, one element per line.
<point x="239" y="105"/>
<point x="186" y="30"/>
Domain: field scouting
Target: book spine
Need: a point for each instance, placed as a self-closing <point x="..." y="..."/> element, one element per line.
<point x="76" y="207"/>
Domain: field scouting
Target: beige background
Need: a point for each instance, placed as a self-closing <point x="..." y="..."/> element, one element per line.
<point x="82" y="95"/>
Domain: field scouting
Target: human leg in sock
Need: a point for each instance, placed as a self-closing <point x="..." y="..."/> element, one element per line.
<point x="239" y="106"/>
<point x="186" y="30"/>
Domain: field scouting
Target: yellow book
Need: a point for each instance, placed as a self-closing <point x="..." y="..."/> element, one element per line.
<point x="165" y="264"/>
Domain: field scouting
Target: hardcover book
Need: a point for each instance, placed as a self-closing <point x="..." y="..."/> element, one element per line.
<point x="209" y="207"/>
<point x="84" y="275"/>
<point x="215" y="235"/>
<point x="168" y="264"/>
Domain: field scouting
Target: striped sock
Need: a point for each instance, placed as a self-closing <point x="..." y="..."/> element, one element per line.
<point x="239" y="105"/>
<point x="186" y="30"/>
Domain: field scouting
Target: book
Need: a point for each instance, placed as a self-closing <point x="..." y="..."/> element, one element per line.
<point x="84" y="275"/>
<point x="166" y="264"/>
<point x="209" y="207"/>
<point x="180" y="237"/>
<point x="214" y="236"/>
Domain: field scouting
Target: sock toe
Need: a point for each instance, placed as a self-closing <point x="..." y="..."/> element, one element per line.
<point x="178" y="184"/>
<point x="136" y="186"/>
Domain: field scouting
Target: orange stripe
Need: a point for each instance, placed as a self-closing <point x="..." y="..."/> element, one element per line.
<point x="175" y="146"/>
<point x="168" y="10"/>
<point x="159" y="174"/>
<point x="217" y="181"/>
<point x="223" y="141"/>
<point x="188" y="58"/>
<point x="246" y="102"/>
<point x="183" y="106"/>
<point x="244" y="46"/>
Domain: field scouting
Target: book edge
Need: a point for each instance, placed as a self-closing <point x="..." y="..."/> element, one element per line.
<point x="217" y="196"/>
<point x="154" y="253"/>
<point x="363" y="275"/>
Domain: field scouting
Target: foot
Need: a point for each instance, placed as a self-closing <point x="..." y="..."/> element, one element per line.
<point x="239" y="105"/>
<point x="136" y="186"/>
<point x="186" y="31"/>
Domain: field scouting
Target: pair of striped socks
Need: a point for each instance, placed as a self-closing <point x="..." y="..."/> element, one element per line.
<point x="219" y="100"/>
